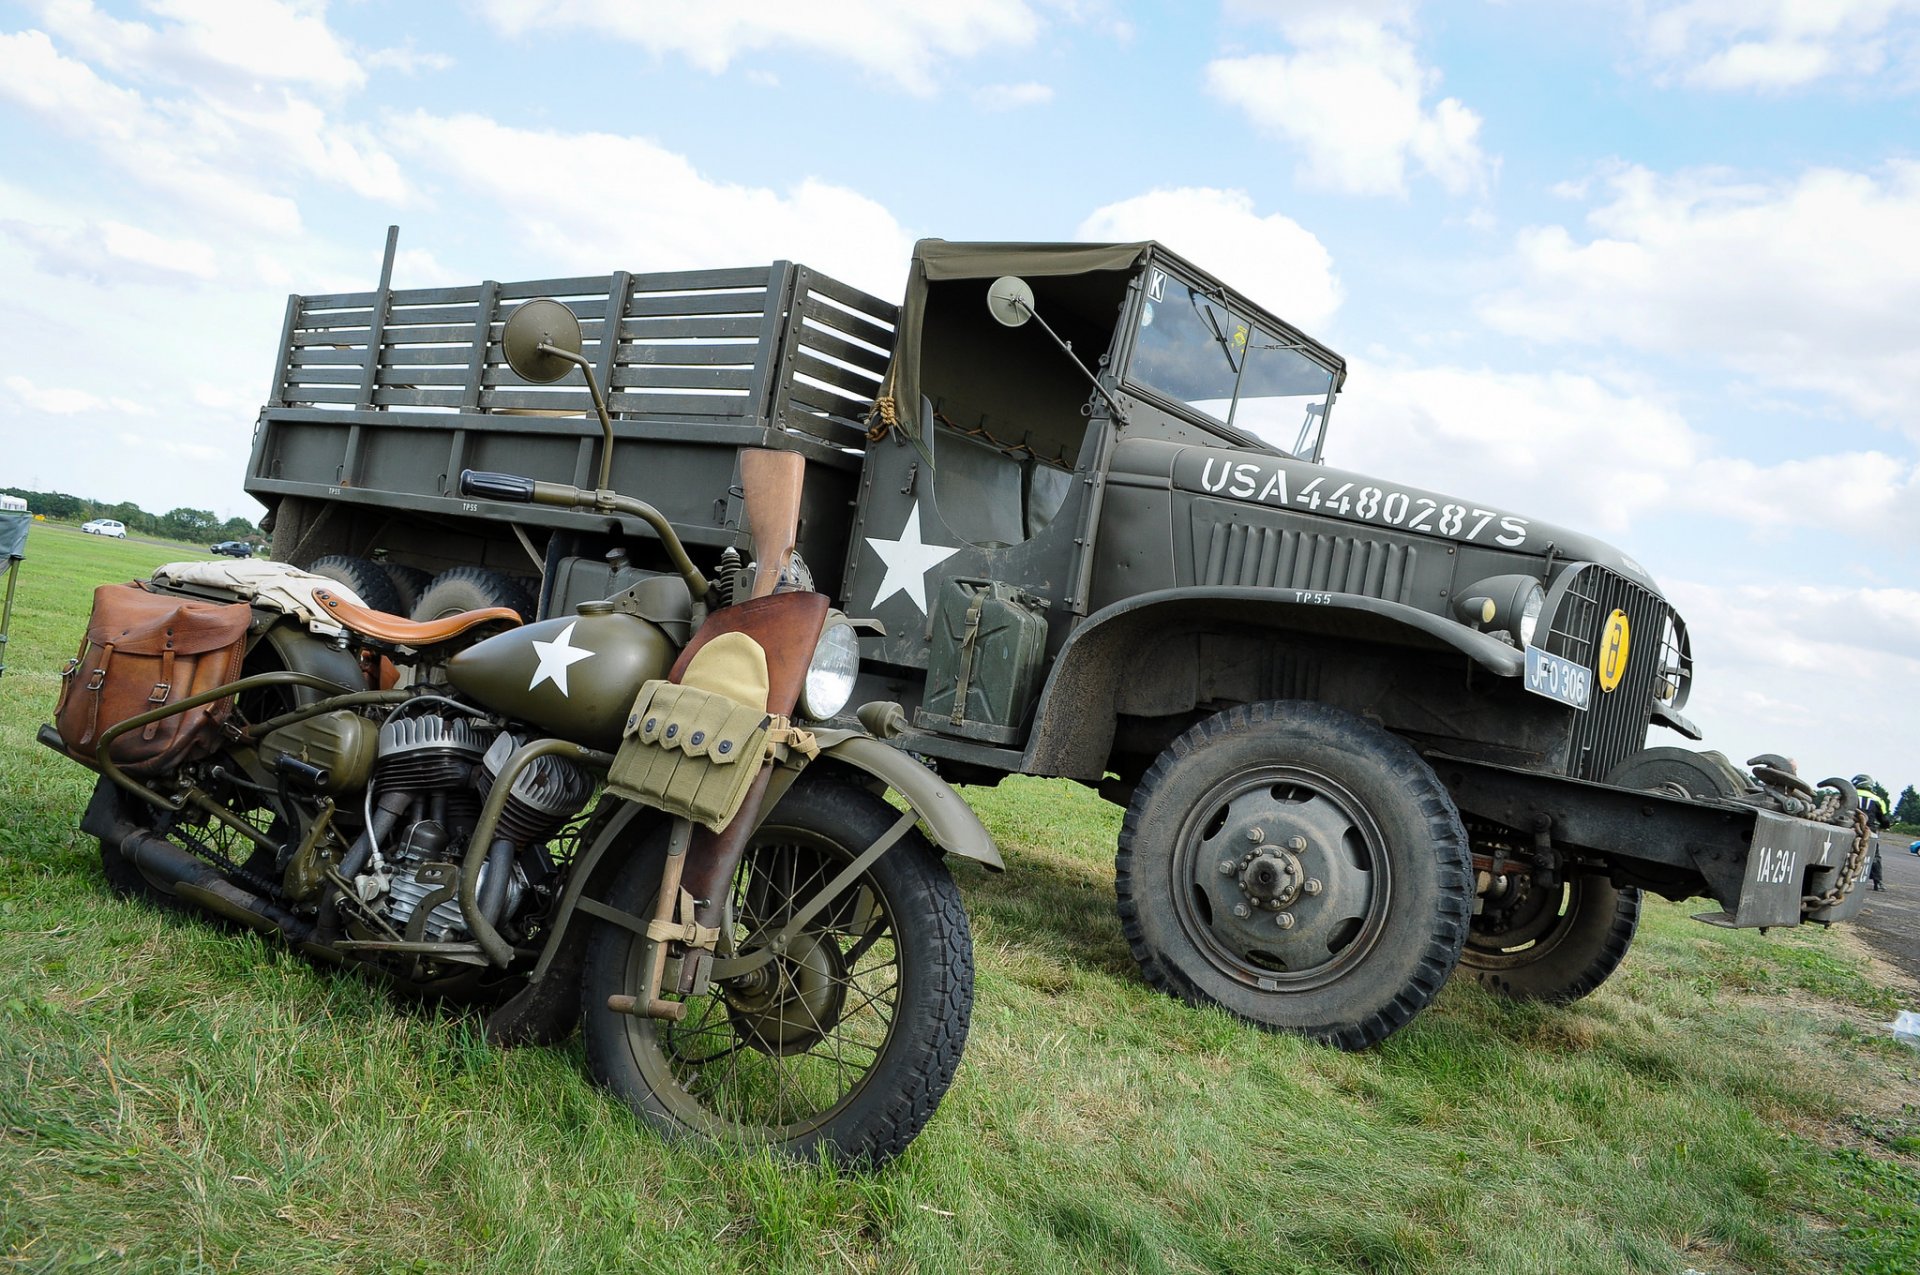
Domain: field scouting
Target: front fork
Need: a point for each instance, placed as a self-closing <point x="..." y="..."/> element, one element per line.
<point x="691" y="905"/>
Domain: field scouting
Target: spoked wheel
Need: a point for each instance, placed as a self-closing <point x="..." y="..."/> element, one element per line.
<point x="212" y="840"/>
<point x="1550" y="944"/>
<point x="842" y="1043"/>
<point x="1298" y="867"/>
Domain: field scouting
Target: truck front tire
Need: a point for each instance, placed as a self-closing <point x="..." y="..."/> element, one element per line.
<point x="1298" y="867"/>
<point x="1555" y="946"/>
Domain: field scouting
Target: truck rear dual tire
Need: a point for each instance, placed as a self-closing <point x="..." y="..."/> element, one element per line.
<point x="365" y="577"/>
<point x="471" y="589"/>
<point x="1298" y="867"/>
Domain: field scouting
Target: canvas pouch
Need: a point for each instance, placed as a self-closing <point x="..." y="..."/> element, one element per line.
<point x="690" y="752"/>
<point x="142" y="651"/>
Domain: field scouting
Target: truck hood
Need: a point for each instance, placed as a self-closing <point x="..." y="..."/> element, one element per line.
<point x="1270" y="479"/>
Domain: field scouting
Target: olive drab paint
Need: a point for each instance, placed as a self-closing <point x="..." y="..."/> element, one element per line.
<point x="575" y="675"/>
<point x="1137" y="458"/>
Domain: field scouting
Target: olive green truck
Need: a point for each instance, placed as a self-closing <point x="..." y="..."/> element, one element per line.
<point x="1073" y="495"/>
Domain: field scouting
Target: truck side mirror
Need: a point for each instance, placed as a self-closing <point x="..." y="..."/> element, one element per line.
<point x="537" y="340"/>
<point x="1010" y="300"/>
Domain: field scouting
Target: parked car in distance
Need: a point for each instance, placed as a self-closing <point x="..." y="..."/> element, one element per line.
<point x="234" y="548"/>
<point x="105" y="527"/>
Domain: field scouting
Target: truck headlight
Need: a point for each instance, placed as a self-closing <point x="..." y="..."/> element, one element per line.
<point x="1512" y="603"/>
<point x="830" y="674"/>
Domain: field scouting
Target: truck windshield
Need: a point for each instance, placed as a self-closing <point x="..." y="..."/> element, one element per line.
<point x="1195" y="350"/>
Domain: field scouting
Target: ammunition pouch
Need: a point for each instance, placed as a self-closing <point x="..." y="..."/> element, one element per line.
<point x="690" y="752"/>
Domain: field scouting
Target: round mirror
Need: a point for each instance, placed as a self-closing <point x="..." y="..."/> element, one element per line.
<point x="532" y="325"/>
<point x="1010" y="300"/>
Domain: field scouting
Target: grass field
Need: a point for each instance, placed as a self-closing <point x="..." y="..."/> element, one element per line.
<point x="178" y="1098"/>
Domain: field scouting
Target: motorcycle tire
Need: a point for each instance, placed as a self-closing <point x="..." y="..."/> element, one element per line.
<point x="841" y="1047"/>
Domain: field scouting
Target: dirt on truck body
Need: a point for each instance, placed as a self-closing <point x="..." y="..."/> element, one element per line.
<point x="1074" y="496"/>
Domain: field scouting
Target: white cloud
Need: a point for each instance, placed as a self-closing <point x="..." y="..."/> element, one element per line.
<point x="113" y="252"/>
<point x="219" y="43"/>
<point x="1810" y="284"/>
<point x="1011" y="97"/>
<point x="53" y="400"/>
<point x="226" y="160"/>
<point x="1273" y="259"/>
<point x="1353" y="98"/>
<point x="1777" y="44"/>
<point x="1586" y="454"/>
<point x="652" y="209"/>
<point x="904" y="43"/>
<point x="1806" y="670"/>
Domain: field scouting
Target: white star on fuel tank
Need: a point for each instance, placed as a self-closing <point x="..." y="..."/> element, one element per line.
<point x="908" y="560"/>
<point x="556" y="658"/>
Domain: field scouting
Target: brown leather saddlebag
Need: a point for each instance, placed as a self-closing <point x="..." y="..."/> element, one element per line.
<point x="145" y="650"/>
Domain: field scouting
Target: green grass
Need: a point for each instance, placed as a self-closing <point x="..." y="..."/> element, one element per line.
<point x="177" y="1097"/>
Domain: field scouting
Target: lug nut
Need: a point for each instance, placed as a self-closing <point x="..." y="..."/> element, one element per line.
<point x="1226" y="867"/>
<point x="1241" y="910"/>
<point x="1313" y="886"/>
<point x="1296" y="843"/>
<point x="1255" y="835"/>
<point x="1284" y="920"/>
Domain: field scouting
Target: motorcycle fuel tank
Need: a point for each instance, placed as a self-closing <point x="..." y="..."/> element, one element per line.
<point x="574" y="676"/>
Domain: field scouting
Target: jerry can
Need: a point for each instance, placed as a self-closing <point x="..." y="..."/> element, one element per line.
<point x="983" y="668"/>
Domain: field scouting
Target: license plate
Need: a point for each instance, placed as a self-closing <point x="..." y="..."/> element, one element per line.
<point x="1559" y="679"/>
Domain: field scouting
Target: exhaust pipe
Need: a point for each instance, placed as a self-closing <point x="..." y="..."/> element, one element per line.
<point x="172" y="868"/>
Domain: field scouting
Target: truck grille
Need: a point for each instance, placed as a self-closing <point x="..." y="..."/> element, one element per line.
<point x="1232" y="552"/>
<point x="1614" y="727"/>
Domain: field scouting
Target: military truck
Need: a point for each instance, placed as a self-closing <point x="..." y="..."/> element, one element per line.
<point x="1073" y="497"/>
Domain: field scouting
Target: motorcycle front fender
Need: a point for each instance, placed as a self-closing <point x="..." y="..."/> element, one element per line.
<point x="952" y="823"/>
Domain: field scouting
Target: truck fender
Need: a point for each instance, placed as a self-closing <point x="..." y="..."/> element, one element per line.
<point x="1074" y="720"/>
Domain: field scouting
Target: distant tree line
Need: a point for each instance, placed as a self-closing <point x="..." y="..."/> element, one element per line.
<point x="1907" y="809"/>
<point x="195" y="526"/>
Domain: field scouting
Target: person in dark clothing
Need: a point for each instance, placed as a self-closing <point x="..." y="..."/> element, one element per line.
<point x="1877" y="813"/>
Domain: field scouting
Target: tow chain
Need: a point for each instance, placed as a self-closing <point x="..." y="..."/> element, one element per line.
<point x="1849" y="872"/>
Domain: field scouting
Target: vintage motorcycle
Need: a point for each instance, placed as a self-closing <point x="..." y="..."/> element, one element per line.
<point x="621" y="818"/>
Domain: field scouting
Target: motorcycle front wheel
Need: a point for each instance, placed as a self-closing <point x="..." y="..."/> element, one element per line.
<point x="842" y="1045"/>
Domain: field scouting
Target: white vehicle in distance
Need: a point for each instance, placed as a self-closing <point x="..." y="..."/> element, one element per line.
<point x="105" y="527"/>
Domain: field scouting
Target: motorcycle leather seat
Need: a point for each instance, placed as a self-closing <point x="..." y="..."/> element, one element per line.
<point x="400" y="631"/>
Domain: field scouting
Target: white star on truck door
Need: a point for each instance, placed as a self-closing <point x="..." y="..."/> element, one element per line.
<point x="908" y="560"/>
<point x="555" y="658"/>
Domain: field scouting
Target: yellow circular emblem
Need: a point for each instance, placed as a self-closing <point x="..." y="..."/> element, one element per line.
<point x="1614" y="641"/>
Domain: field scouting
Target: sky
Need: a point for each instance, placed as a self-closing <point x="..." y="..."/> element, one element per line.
<point x="1647" y="268"/>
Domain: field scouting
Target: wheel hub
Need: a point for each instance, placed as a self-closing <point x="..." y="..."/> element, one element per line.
<point x="789" y="1004"/>
<point x="1272" y="879"/>
<point x="1282" y="878"/>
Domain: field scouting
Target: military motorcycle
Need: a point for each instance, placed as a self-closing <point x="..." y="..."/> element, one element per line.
<point x="625" y="818"/>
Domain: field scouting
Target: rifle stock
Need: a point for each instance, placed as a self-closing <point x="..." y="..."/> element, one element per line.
<point x="771" y="483"/>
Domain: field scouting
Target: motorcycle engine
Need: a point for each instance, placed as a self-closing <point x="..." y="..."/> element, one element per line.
<point x="431" y="775"/>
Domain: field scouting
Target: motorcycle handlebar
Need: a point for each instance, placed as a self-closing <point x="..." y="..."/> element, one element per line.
<point x="513" y="488"/>
<point x="488" y="485"/>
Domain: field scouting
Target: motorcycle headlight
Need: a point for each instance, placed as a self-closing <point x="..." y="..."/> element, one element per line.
<point x="830" y="674"/>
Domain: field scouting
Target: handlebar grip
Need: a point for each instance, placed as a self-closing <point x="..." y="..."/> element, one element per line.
<point x="491" y="486"/>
